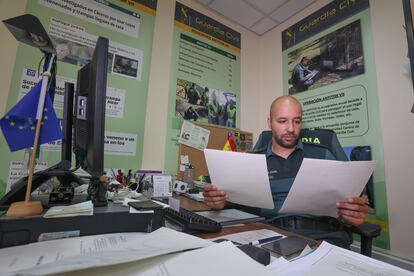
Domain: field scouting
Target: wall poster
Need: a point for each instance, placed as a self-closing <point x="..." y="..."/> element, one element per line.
<point x="205" y="76"/>
<point x="74" y="27"/>
<point x="328" y="65"/>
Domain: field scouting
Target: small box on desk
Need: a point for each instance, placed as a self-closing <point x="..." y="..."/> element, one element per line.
<point x="109" y="219"/>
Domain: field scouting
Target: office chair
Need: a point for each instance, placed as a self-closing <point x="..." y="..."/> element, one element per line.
<point x="328" y="138"/>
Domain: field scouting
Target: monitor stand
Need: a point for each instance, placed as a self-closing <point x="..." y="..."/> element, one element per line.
<point x="61" y="171"/>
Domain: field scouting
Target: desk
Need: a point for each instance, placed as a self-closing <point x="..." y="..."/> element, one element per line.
<point x="192" y="205"/>
<point x="135" y="266"/>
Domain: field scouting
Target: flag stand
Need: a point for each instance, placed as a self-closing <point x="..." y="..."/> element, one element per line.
<point x="27" y="207"/>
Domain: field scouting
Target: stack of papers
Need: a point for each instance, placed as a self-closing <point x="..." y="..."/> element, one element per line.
<point x="197" y="197"/>
<point x="250" y="236"/>
<point x="228" y="217"/>
<point x="51" y="257"/>
<point x="328" y="259"/>
<point x="130" y="254"/>
<point x="80" y="209"/>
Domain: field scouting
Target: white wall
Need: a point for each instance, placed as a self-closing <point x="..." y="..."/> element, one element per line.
<point x="395" y="96"/>
<point x="156" y="120"/>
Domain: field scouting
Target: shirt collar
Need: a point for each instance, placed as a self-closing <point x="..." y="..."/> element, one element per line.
<point x="269" y="152"/>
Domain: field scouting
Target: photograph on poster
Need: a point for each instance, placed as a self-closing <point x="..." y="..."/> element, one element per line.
<point x="125" y="66"/>
<point x="331" y="58"/>
<point x="201" y="103"/>
<point x="72" y="52"/>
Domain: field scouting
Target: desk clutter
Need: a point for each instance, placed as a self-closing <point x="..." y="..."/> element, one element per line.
<point x="168" y="252"/>
<point x="128" y="235"/>
<point x="106" y="219"/>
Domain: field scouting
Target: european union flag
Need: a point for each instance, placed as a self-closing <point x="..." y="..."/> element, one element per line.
<point x="19" y="124"/>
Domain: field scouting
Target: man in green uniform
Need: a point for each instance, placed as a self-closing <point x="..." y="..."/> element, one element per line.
<point x="284" y="155"/>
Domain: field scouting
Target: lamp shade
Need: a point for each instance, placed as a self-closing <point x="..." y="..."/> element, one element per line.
<point x="29" y="30"/>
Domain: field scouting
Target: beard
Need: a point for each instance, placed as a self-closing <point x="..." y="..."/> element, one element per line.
<point x="286" y="144"/>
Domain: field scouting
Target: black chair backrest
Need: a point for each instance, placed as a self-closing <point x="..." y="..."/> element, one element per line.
<point x="325" y="137"/>
<point x="328" y="139"/>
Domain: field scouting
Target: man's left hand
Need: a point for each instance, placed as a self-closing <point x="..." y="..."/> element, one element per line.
<point x="352" y="211"/>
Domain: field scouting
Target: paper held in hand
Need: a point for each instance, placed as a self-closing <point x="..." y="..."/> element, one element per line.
<point x="319" y="184"/>
<point x="242" y="175"/>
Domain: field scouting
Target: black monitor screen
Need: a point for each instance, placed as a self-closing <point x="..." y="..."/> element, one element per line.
<point x="89" y="114"/>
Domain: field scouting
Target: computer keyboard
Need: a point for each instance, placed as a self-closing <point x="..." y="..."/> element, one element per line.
<point x="191" y="222"/>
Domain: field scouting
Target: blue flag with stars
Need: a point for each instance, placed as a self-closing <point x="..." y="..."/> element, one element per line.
<point x="19" y="124"/>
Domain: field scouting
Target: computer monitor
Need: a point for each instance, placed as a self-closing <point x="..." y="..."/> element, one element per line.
<point x="89" y="117"/>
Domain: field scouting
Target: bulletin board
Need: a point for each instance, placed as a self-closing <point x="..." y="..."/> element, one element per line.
<point x="218" y="138"/>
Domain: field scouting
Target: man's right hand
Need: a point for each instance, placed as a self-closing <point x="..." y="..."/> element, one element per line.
<point x="213" y="197"/>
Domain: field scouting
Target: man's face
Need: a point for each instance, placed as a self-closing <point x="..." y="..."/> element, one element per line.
<point x="305" y="62"/>
<point x="285" y="121"/>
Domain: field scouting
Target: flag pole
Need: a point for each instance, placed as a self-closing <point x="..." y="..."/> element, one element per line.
<point x="27" y="207"/>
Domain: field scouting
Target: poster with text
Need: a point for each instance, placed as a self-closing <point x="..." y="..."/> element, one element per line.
<point x="328" y="65"/>
<point x="74" y="27"/>
<point x="205" y="76"/>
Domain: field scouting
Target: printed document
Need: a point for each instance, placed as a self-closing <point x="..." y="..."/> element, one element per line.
<point x="328" y="259"/>
<point x="71" y="254"/>
<point x="242" y="175"/>
<point x="320" y="183"/>
<point x="227" y="260"/>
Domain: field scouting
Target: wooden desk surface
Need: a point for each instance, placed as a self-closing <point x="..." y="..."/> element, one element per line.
<point x="192" y="205"/>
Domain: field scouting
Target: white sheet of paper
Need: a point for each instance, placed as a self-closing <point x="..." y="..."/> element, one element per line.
<point x="242" y="175"/>
<point x="93" y="251"/>
<point x="226" y="258"/>
<point x="320" y="183"/>
<point x="328" y="259"/>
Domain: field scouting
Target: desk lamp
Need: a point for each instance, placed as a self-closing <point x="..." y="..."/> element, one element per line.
<point x="29" y="30"/>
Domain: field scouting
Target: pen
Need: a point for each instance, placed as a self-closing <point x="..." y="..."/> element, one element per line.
<point x="265" y="240"/>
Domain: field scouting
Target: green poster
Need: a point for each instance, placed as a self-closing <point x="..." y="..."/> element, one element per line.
<point x="205" y="76"/>
<point x="74" y="27"/>
<point x="328" y="64"/>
